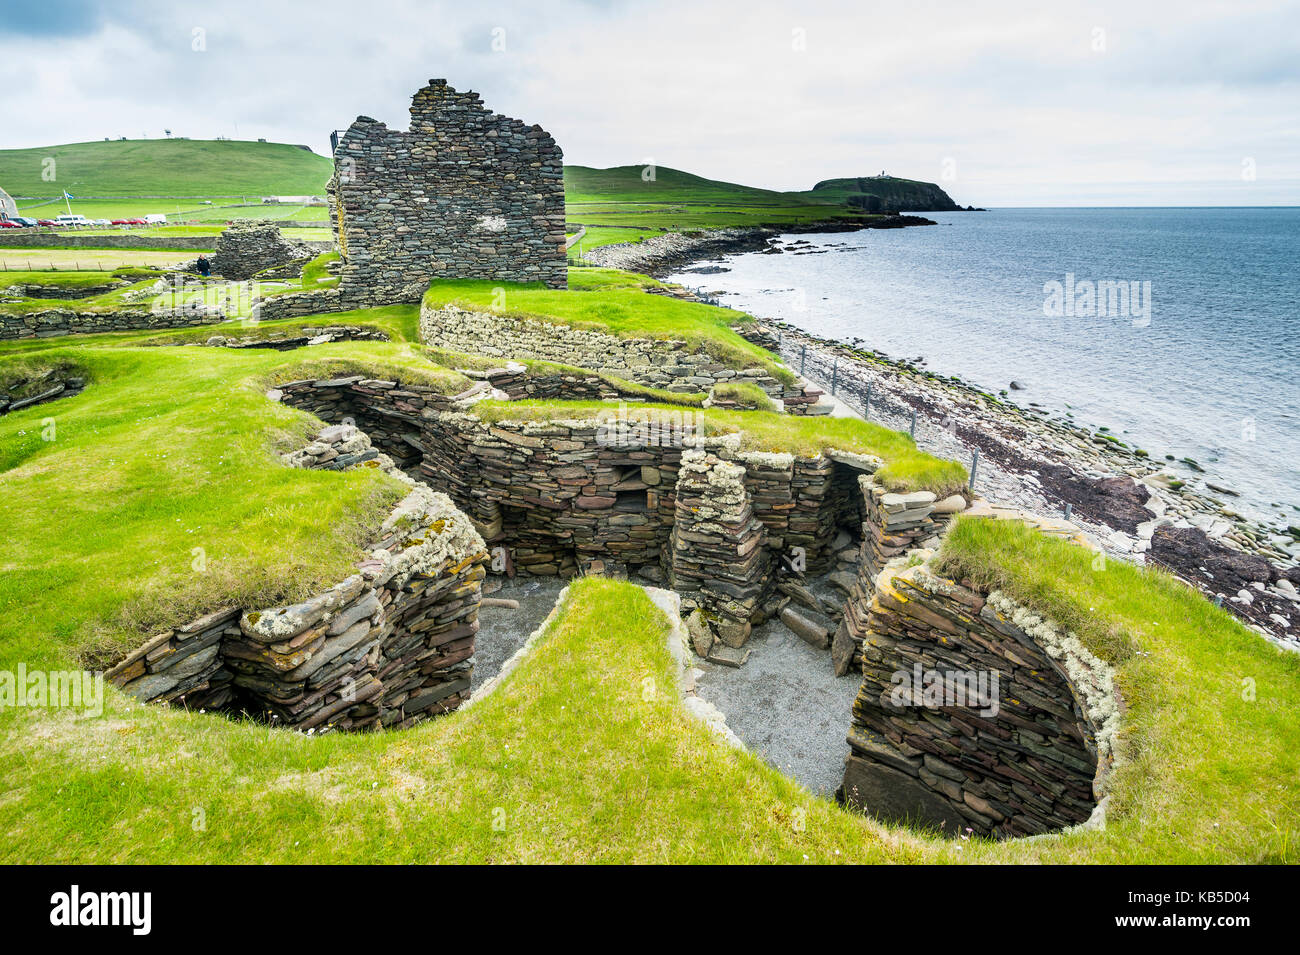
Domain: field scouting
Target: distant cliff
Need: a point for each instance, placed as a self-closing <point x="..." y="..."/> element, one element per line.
<point x="885" y="194"/>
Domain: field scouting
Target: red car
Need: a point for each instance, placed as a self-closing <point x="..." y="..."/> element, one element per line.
<point x="122" y="221"/>
<point x="46" y="222"/>
<point x="136" y="222"/>
<point x="6" y="224"/>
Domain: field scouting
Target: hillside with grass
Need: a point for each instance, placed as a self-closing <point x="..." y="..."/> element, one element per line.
<point x="165" y="167"/>
<point x="881" y="193"/>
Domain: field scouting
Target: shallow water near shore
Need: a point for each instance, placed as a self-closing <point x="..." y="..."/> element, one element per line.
<point x="1211" y="372"/>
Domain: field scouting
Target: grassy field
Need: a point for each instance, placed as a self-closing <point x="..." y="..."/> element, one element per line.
<point x="88" y="260"/>
<point x="613" y="301"/>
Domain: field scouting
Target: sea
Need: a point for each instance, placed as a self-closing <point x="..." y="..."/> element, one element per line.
<point x="1177" y="329"/>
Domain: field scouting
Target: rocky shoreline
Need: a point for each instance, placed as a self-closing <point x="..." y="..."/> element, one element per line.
<point x="1135" y="508"/>
<point x="660" y="255"/>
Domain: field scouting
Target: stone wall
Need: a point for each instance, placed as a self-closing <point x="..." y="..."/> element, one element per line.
<point x="466" y="193"/>
<point x="55" y="322"/>
<point x="249" y="246"/>
<point x="974" y="713"/>
<point x="391" y="413"/>
<point x="48" y="386"/>
<point x="388" y="646"/>
<point x="666" y="364"/>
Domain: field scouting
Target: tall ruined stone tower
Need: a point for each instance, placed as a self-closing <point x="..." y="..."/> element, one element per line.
<point x="466" y="193"/>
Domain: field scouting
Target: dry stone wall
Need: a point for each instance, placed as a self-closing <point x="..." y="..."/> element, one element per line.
<point x="248" y="246"/>
<point x="388" y="646"/>
<point x="666" y="364"/>
<point x="974" y="713"/>
<point x="465" y="193"/>
<point x="56" y="322"/>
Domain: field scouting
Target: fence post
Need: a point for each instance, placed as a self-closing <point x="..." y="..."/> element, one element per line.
<point x="912" y="430"/>
<point x="974" y="464"/>
<point x="1068" y="508"/>
<point x="866" y="405"/>
<point x="835" y="375"/>
<point x="803" y="357"/>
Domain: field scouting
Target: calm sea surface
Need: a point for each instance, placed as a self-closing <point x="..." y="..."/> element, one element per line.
<point x="1211" y="371"/>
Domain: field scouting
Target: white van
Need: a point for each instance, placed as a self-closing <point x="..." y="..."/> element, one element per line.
<point x="76" y="219"/>
<point x="155" y="218"/>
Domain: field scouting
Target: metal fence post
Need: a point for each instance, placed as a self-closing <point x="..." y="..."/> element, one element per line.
<point x="974" y="464"/>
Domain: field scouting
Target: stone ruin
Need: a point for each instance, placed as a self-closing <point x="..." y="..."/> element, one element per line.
<point x="248" y="246"/>
<point x="465" y="193"/>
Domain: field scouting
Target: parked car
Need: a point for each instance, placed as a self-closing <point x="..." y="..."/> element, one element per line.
<point x="46" y="222"/>
<point x="156" y="218"/>
<point x="120" y="222"/>
<point x="6" y="224"/>
<point x="136" y="222"/>
<point x="73" y="219"/>
<point x="24" y="221"/>
<point x="102" y="222"/>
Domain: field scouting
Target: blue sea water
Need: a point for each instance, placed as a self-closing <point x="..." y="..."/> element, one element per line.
<point x="1212" y="372"/>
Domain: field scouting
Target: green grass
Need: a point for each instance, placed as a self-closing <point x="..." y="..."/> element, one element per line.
<point x="165" y="167"/>
<point x="58" y="279"/>
<point x="612" y="301"/>
<point x="171" y="446"/>
<point x="315" y="275"/>
<point x="906" y="468"/>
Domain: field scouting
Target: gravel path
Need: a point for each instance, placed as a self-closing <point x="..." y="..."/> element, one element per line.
<point x="787" y="705"/>
<point x="503" y="631"/>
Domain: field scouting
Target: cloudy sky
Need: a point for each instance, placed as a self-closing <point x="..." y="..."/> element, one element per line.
<point x="1184" y="102"/>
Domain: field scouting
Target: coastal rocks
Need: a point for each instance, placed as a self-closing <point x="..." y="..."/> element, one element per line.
<point x="465" y="193"/>
<point x="247" y="246"/>
<point x="282" y="342"/>
<point x="975" y="713"/>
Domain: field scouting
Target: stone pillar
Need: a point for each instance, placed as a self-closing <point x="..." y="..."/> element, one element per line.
<point x="717" y="554"/>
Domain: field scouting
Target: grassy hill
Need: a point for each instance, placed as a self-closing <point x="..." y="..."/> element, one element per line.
<point x="165" y="167"/>
<point x="619" y="205"/>
<point x="898" y="195"/>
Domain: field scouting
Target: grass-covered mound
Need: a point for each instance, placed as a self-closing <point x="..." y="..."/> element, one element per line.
<point x="906" y="468"/>
<point x="616" y="303"/>
<point x="172" y="450"/>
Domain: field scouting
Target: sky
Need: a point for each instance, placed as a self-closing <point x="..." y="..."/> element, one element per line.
<point x="1043" y="103"/>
